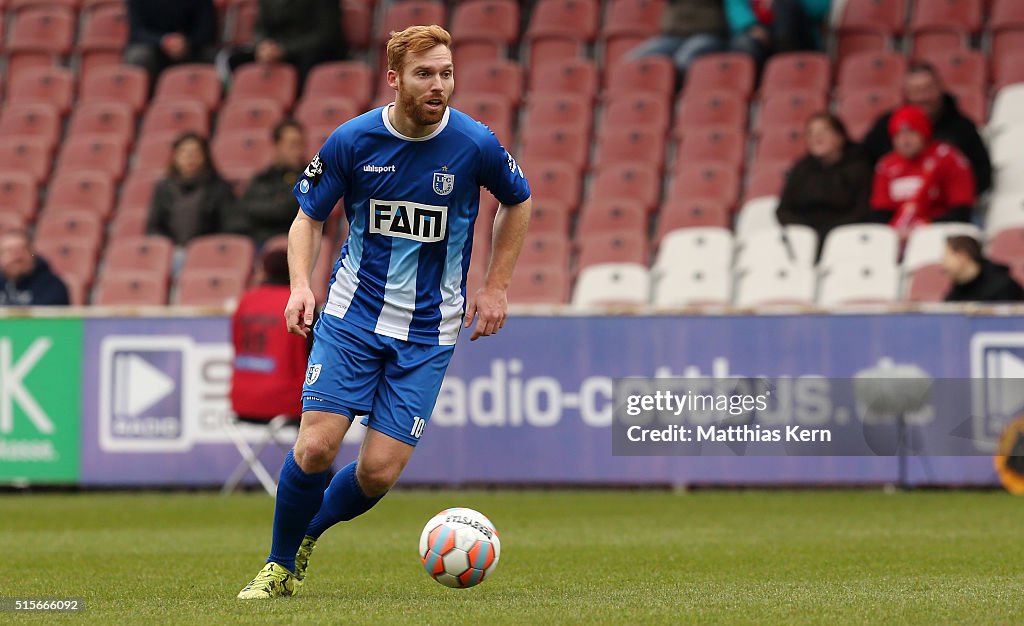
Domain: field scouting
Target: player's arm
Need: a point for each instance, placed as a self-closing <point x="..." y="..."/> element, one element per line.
<point x="304" y="239"/>
<point x="491" y="302"/>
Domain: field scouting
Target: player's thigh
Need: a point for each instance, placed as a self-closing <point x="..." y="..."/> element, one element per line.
<point x="320" y="435"/>
<point x="408" y="390"/>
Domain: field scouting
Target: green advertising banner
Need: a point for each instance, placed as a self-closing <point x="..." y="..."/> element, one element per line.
<point x="40" y="399"/>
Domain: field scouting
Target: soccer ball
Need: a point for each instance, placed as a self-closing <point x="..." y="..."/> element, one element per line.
<point x="459" y="547"/>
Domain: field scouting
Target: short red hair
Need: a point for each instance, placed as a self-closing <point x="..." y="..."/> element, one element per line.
<point x="415" y="39"/>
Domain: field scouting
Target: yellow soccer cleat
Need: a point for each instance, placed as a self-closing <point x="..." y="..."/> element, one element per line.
<point x="273" y="581"/>
<point x="302" y="558"/>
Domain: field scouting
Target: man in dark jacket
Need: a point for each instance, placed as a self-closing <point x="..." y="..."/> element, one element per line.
<point x="299" y="32"/>
<point x="975" y="278"/>
<point x="26" y="280"/>
<point x="268" y="207"/>
<point x="162" y="33"/>
<point x="923" y="87"/>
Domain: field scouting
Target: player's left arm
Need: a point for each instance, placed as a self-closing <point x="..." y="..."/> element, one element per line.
<point x="490" y="303"/>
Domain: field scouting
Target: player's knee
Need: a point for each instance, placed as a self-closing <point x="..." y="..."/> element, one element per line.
<point x="314" y="454"/>
<point x="377" y="478"/>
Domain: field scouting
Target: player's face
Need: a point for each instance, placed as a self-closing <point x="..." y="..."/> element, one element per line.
<point x="188" y="159"/>
<point x="425" y="84"/>
<point x="922" y="90"/>
<point x="15" y="256"/>
<point x="291" y="149"/>
<point x="908" y="143"/>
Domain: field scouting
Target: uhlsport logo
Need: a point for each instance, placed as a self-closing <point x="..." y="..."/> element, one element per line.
<point x="409" y="220"/>
<point x="443" y="183"/>
<point x="313" y="373"/>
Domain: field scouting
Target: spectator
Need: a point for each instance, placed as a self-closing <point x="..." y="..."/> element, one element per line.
<point x="761" y="27"/>
<point x="24" y="280"/>
<point x="975" y="278"/>
<point x="193" y="200"/>
<point x="162" y="33"/>
<point x="922" y="87"/>
<point x="300" y="32"/>
<point x="689" y="29"/>
<point x="921" y="180"/>
<point x="830" y="186"/>
<point x="270" y="363"/>
<point x="268" y="205"/>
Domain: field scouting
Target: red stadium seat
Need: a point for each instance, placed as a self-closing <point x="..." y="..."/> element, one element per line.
<point x="129" y="224"/>
<point x="870" y="71"/>
<point x="972" y="103"/>
<point x="573" y="19"/>
<point x="150" y="254"/>
<point x="35" y="120"/>
<point x="341" y="79"/>
<point x="492" y="77"/>
<point x="611" y="215"/>
<point x="767" y="178"/>
<point x="555" y="181"/>
<point x="936" y="40"/>
<point x="240" y="154"/>
<point x="467" y="52"/>
<point x="929" y="283"/>
<point x="30" y="155"/>
<point x="80" y="224"/>
<point x="729" y="71"/>
<point x="208" y="288"/>
<point x="261" y="80"/>
<point x="569" y="110"/>
<point x="637" y="111"/>
<point x="1006" y="15"/>
<point x="82" y="190"/>
<point x="192" y="81"/>
<point x="16" y="6"/>
<point x="857" y="41"/>
<point x="710" y="109"/>
<point x="51" y="85"/>
<point x="70" y="257"/>
<point x="711" y="181"/>
<point x="332" y="111"/>
<point x="789" y="109"/>
<point x="796" y="70"/>
<point x="113" y="118"/>
<point x="221" y="252"/>
<point x="249" y="114"/>
<point x="714" y="143"/>
<point x="633" y="18"/>
<point x="120" y="83"/>
<point x="1008" y="70"/>
<point x="549" y="50"/>
<point x="549" y="216"/>
<point x="650" y="74"/>
<point x="546" y="249"/>
<point x="102" y="153"/>
<point x="627" y="246"/>
<point x="486" y="20"/>
<point x="1007" y="246"/>
<point x="960" y="69"/>
<point x="43" y="29"/>
<point x="490" y="109"/>
<point x="620" y="145"/>
<point x="884" y="14"/>
<point x="137" y="192"/>
<point x="357" y="20"/>
<point x="965" y="14"/>
<point x="401" y="15"/>
<point x="577" y="76"/>
<point x="20" y="193"/>
<point x="105" y="30"/>
<point x="678" y="213"/>
<point x="616" y="49"/>
<point x="548" y="143"/>
<point x="860" y="108"/>
<point x="12" y="222"/>
<point x="539" y="284"/>
<point x="177" y="115"/>
<point x="1005" y="43"/>
<point x="131" y="288"/>
<point x="154" y="150"/>
<point x="642" y="184"/>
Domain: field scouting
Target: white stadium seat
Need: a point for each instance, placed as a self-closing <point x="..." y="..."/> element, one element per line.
<point x="794" y="244"/>
<point x="1009" y="178"/>
<point x="768" y="283"/>
<point x="877" y="243"/>
<point x="1007" y="110"/>
<point x="1004" y="211"/>
<point x="927" y="243"/>
<point x="757" y="214"/>
<point x="612" y="283"/>
<point x="697" y="283"/>
<point x="1005" y="148"/>
<point x="858" y="282"/>
<point x="705" y="245"/>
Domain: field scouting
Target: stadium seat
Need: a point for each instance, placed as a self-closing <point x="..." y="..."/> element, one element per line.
<point x="621" y="145"/>
<point x="276" y="81"/>
<point x="357" y="22"/>
<point x="1005" y="211"/>
<point x="208" y="288"/>
<point x="794" y="244"/>
<point x="179" y="116"/>
<point x="767" y="178"/>
<point x="927" y="42"/>
<point x="468" y="52"/>
<point x="626" y="246"/>
<point x="191" y="81"/>
<point x="928" y="283"/>
<point x="31" y="119"/>
<point x="244" y="114"/>
<point x="315" y="112"/>
<point x="1006" y="69"/>
<point x="71" y="258"/>
<point x="611" y="215"/>
<point x="99" y="152"/>
<point x="550" y="216"/>
<point x="789" y="109"/>
<point x="546" y="249"/>
<point x="868" y="242"/>
<point x="51" y="85"/>
<point x="860" y="41"/>
<point x="492" y="77"/>
<point x="118" y="83"/>
<point x="151" y="254"/>
<point x="69" y="223"/>
<point x="571" y="76"/>
<point x="757" y="214"/>
<point x="712" y="181"/>
<point x="492" y="110"/>
<point x="697" y="284"/>
<point x="104" y="118"/>
<point x="129" y="224"/>
<point x="30" y="155"/>
<point x="486" y="20"/>
<point x="973" y="103"/>
<point x="1005" y="15"/>
<point x="131" y="288"/>
<point x="709" y="246"/>
<point x="881" y="71"/>
<point x="1007" y="109"/>
<point x="341" y="79"/>
<point x="721" y="144"/>
<point x="810" y="71"/>
<point x="105" y="30"/>
<point x="728" y="71"/>
<point x="885" y="14"/>
<point x="240" y="154"/>
<point x="650" y="75"/>
<point x="859" y="282"/>
<point x="563" y="109"/>
<point x="1009" y="179"/>
<point x="550" y="143"/>
<point x="42" y="29"/>
<point x="1005" y="43"/>
<point x="557" y="181"/>
<point x="927" y="243"/>
<point x="632" y="18"/>
<point x="771" y="284"/>
<point x="617" y="49"/>
<point x="781" y="143"/>
<point x="539" y="284"/>
<point x="628" y="182"/>
<point x="571" y="19"/>
<point x="711" y="109"/>
<point x="20" y="193"/>
<point x="966" y="14"/>
<point x="637" y="111"/>
<point x="612" y="284"/>
<point x="154" y="150"/>
<point x="1004" y="148"/>
<point x="859" y="109"/>
<point x="87" y="190"/>
<point x="545" y="50"/>
<point x="678" y="213"/>
<point x="12" y="222"/>
<point x="221" y="252"/>
<point x="1007" y="246"/>
<point x="400" y="15"/>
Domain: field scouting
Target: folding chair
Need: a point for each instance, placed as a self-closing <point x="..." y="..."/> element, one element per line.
<point x="273" y="432"/>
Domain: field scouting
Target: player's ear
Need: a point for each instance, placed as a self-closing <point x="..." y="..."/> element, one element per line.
<point x="392" y="77"/>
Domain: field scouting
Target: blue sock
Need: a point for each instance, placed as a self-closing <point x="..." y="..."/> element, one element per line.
<point x="343" y="500"/>
<point x="298" y="497"/>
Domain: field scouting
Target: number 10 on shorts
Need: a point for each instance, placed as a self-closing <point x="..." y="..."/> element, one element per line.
<point x="417" y="426"/>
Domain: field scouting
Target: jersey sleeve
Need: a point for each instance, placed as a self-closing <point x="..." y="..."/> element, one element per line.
<point x="325" y="179"/>
<point x="500" y="173"/>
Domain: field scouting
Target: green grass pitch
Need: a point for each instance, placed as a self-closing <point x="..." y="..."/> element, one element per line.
<point x="567" y="557"/>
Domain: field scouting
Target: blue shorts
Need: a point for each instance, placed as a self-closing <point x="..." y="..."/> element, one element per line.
<point x="394" y="383"/>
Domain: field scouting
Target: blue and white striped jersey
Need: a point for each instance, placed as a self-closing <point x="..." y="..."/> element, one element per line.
<point x="411" y="205"/>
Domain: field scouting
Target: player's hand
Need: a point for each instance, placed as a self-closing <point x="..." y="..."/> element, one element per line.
<point x="298" y="315"/>
<point x="491" y="307"/>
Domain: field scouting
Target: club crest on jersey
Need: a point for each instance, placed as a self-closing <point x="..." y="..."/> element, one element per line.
<point x="313" y="373"/>
<point x="443" y="183"/>
<point x="314" y="170"/>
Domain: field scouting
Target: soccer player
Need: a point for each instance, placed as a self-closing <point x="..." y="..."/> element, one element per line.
<point x="410" y="174"/>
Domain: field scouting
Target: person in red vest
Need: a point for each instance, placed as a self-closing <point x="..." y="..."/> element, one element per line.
<point x="270" y="363"/>
<point x="921" y="180"/>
